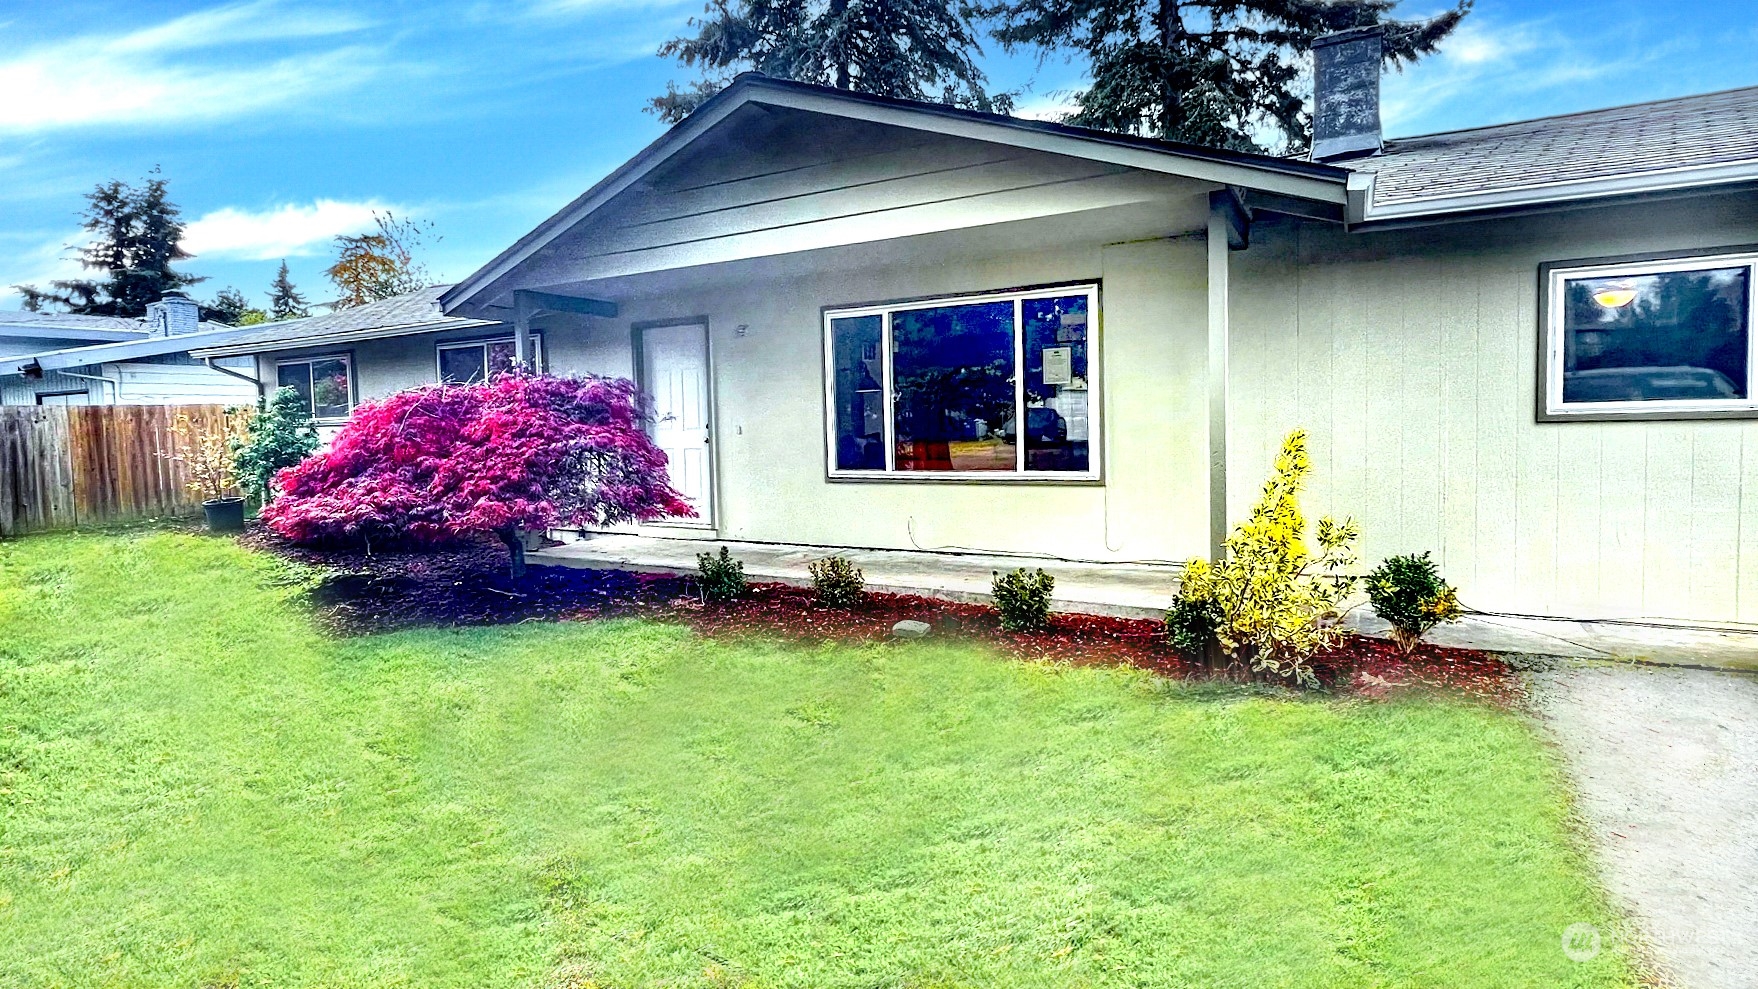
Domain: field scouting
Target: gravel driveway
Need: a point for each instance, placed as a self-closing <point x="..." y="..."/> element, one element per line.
<point x="1666" y="765"/>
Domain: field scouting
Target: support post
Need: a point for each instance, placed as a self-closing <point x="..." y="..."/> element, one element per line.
<point x="522" y="310"/>
<point x="1222" y="219"/>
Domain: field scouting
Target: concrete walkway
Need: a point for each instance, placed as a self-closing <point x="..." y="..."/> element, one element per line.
<point x="1665" y="762"/>
<point x="1128" y="590"/>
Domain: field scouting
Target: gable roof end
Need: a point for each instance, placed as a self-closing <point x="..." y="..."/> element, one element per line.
<point x="1278" y="176"/>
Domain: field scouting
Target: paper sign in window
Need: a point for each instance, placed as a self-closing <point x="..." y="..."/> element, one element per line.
<point x="1058" y="365"/>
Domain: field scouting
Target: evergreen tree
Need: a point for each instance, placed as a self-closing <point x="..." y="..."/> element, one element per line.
<point x="137" y="236"/>
<point x="285" y="302"/>
<point x="229" y="306"/>
<point x="279" y="435"/>
<point x="910" y="49"/>
<point x="1211" y="72"/>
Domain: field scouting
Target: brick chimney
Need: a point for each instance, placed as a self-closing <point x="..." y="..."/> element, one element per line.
<point x="174" y="313"/>
<point x="1346" y="93"/>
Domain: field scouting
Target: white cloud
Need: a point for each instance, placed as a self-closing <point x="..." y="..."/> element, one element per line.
<point x="39" y="262"/>
<point x="1512" y="71"/>
<point x="199" y="67"/>
<point x="1048" y="106"/>
<point x="289" y="230"/>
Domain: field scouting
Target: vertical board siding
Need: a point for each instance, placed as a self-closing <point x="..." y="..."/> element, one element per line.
<point x="1412" y="360"/>
<point x="61" y="467"/>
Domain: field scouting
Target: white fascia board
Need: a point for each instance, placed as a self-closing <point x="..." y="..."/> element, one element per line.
<point x="1542" y="194"/>
<point x="340" y="336"/>
<point x="1266" y="178"/>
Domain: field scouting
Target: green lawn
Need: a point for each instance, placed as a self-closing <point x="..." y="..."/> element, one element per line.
<point x="198" y="789"/>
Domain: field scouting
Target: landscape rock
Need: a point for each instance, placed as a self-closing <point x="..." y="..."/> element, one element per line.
<point x="910" y="629"/>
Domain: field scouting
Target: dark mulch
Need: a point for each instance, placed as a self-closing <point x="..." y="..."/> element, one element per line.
<point x="469" y="584"/>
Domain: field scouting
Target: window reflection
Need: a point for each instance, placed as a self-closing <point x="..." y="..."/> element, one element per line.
<point x="1676" y="335"/>
<point x="952" y="387"/>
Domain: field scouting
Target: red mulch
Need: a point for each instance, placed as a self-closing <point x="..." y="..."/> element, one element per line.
<point x="1366" y="666"/>
<point x="468" y="584"/>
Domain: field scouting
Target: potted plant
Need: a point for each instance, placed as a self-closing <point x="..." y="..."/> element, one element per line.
<point x="209" y="454"/>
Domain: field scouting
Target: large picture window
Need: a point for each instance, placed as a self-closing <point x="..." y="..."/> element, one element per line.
<point x="1668" y="336"/>
<point x="981" y="387"/>
<point x="475" y="360"/>
<point x="325" y="384"/>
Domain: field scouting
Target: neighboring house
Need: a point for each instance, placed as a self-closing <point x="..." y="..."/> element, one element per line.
<point x="64" y="359"/>
<point x="335" y="359"/>
<point x="1527" y="348"/>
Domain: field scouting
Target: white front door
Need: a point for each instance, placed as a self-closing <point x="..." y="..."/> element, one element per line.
<point x="674" y="373"/>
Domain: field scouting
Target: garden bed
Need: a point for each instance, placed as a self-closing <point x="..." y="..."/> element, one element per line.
<point x="469" y="584"/>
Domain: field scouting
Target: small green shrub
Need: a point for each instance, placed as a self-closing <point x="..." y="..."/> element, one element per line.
<point x="1023" y="598"/>
<point x="838" y="582"/>
<point x="1276" y="603"/>
<point x="723" y="578"/>
<point x="1191" y="624"/>
<point x="279" y="435"/>
<point x="1408" y="592"/>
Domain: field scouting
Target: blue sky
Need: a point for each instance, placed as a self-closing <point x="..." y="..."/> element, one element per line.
<point x="281" y="123"/>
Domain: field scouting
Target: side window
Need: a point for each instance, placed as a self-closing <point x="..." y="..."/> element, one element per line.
<point x="1663" y="336"/>
<point x="324" y="384"/>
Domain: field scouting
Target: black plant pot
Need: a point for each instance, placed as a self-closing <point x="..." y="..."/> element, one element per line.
<point x="224" y="514"/>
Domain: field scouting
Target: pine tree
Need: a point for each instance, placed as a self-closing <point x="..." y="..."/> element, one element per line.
<point x="229" y="307"/>
<point x="910" y="49"/>
<point x="285" y="302"/>
<point x="1211" y="72"/>
<point x="137" y="236"/>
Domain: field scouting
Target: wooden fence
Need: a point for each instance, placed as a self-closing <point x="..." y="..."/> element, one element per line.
<point x="81" y="465"/>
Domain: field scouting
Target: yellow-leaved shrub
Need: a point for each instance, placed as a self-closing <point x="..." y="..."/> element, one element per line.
<point x="1273" y="603"/>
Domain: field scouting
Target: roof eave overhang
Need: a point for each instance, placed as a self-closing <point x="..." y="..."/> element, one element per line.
<point x="341" y="336"/>
<point x="1283" y="177"/>
<point x="1556" y="196"/>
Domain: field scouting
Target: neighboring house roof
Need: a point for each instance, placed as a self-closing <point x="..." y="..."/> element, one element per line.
<point x="414" y="312"/>
<point x="1278" y="176"/>
<point x="127" y="350"/>
<point x="1689" y="142"/>
<point x="69" y="327"/>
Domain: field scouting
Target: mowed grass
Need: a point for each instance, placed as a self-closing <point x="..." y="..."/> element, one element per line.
<point x="198" y="789"/>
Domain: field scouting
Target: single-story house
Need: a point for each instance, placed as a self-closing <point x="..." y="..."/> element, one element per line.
<point x="67" y="359"/>
<point x="336" y="358"/>
<point x="1527" y="348"/>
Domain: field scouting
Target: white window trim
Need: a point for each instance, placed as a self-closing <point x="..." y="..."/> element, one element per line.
<point x="484" y="343"/>
<point x="345" y="358"/>
<point x="1019" y="475"/>
<point x="1557" y="311"/>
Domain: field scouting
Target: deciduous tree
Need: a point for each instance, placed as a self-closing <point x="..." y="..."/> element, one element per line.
<point x="380" y="264"/>
<point x="515" y="454"/>
<point x="1220" y="73"/>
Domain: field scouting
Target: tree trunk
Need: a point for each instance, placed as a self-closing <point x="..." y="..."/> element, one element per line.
<point x="515" y="551"/>
<point x="1171" y="26"/>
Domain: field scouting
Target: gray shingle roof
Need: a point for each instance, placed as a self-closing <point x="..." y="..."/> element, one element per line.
<point x="385" y="317"/>
<point x="50" y="321"/>
<point x="1619" y="143"/>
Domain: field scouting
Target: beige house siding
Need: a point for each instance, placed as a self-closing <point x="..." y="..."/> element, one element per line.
<point x="769" y="397"/>
<point x="1412" y="360"/>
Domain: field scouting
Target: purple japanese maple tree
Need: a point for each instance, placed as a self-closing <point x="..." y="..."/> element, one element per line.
<point x="518" y="453"/>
